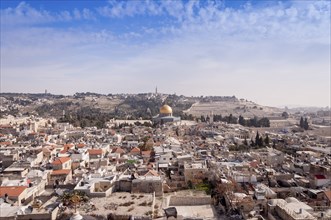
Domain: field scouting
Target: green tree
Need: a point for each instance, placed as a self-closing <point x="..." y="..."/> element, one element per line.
<point x="301" y="122"/>
<point x="230" y="119"/>
<point x="145" y="146"/>
<point x="252" y="143"/>
<point x="264" y="122"/>
<point x="257" y="139"/>
<point x="305" y="124"/>
<point x="260" y="142"/>
<point x="242" y="121"/>
<point x="152" y="158"/>
<point x="177" y="131"/>
<point x="73" y="198"/>
<point x="266" y="140"/>
<point x="253" y="122"/>
<point x="245" y="142"/>
<point x="285" y="115"/>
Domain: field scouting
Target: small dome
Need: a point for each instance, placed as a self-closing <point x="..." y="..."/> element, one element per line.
<point x="166" y="109"/>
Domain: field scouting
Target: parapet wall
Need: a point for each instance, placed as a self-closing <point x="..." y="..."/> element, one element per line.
<point x="189" y="200"/>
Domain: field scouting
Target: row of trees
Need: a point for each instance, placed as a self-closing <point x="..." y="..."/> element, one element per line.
<point x="218" y="118"/>
<point x="254" y="122"/>
<point x="86" y="117"/>
<point x="259" y="141"/>
<point x="185" y="116"/>
<point x="229" y="119"/>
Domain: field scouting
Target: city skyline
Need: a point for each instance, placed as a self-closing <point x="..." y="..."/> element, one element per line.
<point x="273" y="53"/>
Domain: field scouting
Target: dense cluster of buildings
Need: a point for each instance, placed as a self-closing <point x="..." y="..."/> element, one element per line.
<point x="187" y="165"/>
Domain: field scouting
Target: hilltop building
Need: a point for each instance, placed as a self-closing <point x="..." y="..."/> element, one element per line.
<point x="165" y="116"/>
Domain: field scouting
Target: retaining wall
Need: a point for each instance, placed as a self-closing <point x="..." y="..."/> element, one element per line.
<point x="189" y="200"/>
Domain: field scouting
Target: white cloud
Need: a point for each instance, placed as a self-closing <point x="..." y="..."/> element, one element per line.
<point x="24" y="14"/>
<point x="273" y="54"/>
<point x="129" y="8"/>
<point x="88" y="14"/>
<point x="76" y="14"/>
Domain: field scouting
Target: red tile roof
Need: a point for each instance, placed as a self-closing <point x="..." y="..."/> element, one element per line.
<point x="118" y="150"/>
<point x="61" y="160"/>
<point x="135" y="150"/>
<point x="81" y="145"/>
<point x="60" y="172"/>
<point x="95" y="151"/>
<point x="13" y="191"/>
<point x="5" y="143"/>
<point x="68" y="145"/>
<point x="328" y="194"/>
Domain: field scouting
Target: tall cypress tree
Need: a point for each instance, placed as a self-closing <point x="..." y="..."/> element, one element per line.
<point x="257" y="139"/>
<point x="305" y="124"/>
<point x="261" y="141"/>
<point x="245" y="142"/>
<point x="266" y="140"/>
<point x="252" y="143"/>
<point x="301" y="122"/>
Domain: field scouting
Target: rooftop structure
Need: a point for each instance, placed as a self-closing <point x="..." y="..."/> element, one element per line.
<point x="165" y="116"/>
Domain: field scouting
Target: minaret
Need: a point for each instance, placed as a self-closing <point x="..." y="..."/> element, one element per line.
<point x="156" y="90"/>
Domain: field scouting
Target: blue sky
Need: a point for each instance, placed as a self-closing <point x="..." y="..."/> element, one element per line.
<point x="272" y="52"/>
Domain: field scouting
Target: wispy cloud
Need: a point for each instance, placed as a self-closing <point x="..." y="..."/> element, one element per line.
<point x="297" y="20"/>
<point x="130" y="8"/>
<point x="188" y="47"/>
<point x="24" y="14"/>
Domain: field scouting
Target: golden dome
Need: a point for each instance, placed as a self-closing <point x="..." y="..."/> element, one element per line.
<point x="165" y="109"/>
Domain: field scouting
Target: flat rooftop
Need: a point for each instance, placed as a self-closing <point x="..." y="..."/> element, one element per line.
<point x="202" y="211"/>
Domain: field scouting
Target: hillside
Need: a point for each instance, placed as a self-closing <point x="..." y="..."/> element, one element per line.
<point x="235" y="107"/>
<point x="91" y="109"/>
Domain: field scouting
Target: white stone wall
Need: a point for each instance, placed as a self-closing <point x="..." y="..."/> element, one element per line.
<point x="189" y="200"/>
